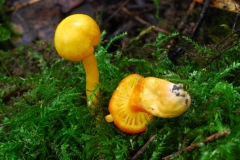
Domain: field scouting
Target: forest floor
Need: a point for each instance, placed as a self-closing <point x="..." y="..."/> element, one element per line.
<point x="43" y="111"/>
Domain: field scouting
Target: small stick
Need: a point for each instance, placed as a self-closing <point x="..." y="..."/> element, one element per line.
<point x="197" y="145"/>
<point x="233" y="28"/>
<point x="223" y="50"/>
<point x="124" y="9"/>
<point x="185" y="19"/>
<point x="139" y="153"/>
<point x="22" y="5"/>
<point x="201" y="18"/>
<point x="115" y="12"/>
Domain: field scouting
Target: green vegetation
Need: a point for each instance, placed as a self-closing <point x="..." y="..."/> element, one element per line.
<point x="51" y="120"/>
<point x="44" y="113"/>
<point x="6" y="30"/>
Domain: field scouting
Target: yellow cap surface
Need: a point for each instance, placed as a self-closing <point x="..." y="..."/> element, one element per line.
<point x="76" y="36"/>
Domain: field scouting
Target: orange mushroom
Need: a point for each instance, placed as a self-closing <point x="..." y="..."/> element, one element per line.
<point x="229" y="5"/>
<point x="74" y="39"/>
<point x="137" y="99"/>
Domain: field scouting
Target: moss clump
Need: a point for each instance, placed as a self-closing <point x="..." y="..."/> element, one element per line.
<point x="51" y="120"/>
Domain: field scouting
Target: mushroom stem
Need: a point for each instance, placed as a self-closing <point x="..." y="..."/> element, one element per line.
<point x="74" y="39"/>
<point x="92" y="77"/>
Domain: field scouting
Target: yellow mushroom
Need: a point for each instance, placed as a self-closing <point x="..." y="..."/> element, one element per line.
<point x="137" y="99"/>
<point x="229" y="5"/>
<point x="74" y="39"/>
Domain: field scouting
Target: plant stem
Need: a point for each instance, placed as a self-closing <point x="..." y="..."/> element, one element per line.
<point x="197" y="145"/>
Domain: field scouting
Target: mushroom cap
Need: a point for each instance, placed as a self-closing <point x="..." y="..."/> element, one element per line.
<point x="76" y="36"/>
<point x="137" y="99"/>
<point x="121" y="114"/>
<point x="160" y="98"/>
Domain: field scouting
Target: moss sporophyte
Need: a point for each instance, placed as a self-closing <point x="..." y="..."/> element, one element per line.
<point x="136" y="99"/>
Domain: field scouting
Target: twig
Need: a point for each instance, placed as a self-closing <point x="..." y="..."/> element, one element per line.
<point x="174" y="53"/>
<point x="185" y="19"/>
<point x="223" y="50"/>
<point x="139" y="153"/>
<point x="114" y="13"/>
<point x="135" y="17"/>
<point x="22" y="5"/>
<point x="145" y="22"/>
<point x="201" y="18"/>
<point x="233" y="28"/>
<point x="224" y="39"/>
<point x="197" y="145"/>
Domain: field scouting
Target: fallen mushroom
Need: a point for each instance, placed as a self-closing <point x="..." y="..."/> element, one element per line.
<point x="74" y="39"/>
<point x="229" y="5"/>
<point x="137" y="99"/>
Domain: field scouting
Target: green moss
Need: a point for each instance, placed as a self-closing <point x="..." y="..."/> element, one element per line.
<point x="50" y="118"/>
<point x="6" y="30"/>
